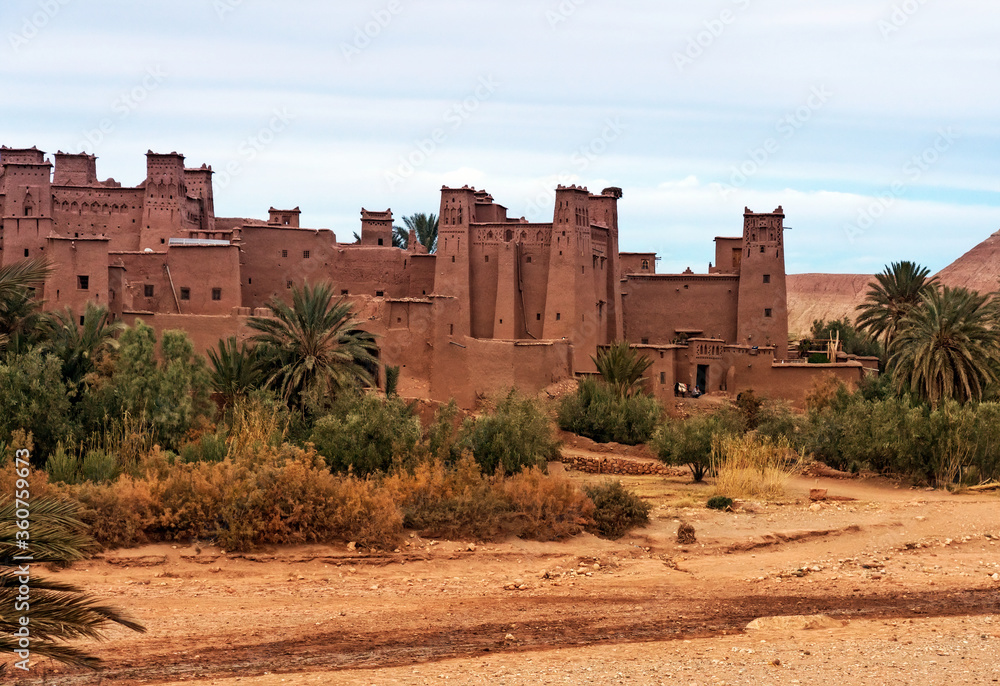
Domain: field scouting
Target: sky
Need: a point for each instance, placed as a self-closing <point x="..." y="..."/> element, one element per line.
<point x="875" y="124"/>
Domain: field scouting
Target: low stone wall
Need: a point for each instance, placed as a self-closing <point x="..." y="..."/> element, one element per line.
<point x="619" y="465"/>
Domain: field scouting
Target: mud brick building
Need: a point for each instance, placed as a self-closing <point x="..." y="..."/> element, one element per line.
<point x="502" y="302"/>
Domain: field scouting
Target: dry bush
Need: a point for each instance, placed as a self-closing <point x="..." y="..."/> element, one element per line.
<point x="547" y="508"/>
<point x="455" y="502"/>
<point x="461" y="502"/>
<point x="752" y="467"/>
<point x="254" y="423"/>
<point x="287" y="495"/>
<point x="118" y="513"/>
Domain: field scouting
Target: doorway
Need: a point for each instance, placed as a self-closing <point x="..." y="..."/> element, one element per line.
<point x="702" y="382"/>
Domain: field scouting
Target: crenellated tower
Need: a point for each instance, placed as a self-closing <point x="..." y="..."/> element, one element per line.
<point x="762" y="317"/>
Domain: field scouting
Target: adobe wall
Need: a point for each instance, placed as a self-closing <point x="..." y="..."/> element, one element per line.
<point x="113" y="212"/>
<point x="661" y="376"/>
<point x="206" y="278"/>
<point x="728" y="255"/>
<point x="638" y="262"/>
<point x="273" y="256"/>
<point x="205" y="331"/>
<point x="658" y="308"/>
<point x="72" y="259"/>
<point x="144" y="269"/>
<point x="789" y="381"/>
<point x="482" y="367"/>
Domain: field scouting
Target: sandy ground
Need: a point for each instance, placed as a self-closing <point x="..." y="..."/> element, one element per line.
<point x="903" y="580"/>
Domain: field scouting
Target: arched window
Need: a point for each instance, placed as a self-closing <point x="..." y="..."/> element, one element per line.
<point x="509" y="236"/>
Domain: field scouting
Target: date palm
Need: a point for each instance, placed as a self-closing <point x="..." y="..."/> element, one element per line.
<point x="237" y="369"/>
<point x="622" y="368"/>
<point x="58" y="612"/>
<point x="80" y="345"/>
<point x="426" y="228"/>
<point x="19" y="315"/>
<point x="897" y="290"/>
<point x="313" y="345"/>
<point x="947" y="347"/>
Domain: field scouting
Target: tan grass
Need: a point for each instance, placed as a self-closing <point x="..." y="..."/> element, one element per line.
<point x="752" y="467"/>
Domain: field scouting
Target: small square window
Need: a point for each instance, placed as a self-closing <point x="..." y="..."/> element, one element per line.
<point x="305" y="254"/>
<point x="83" y="282"/>
<point x="185" y="293"/>
<point x="163" y="241"/>
<point x="379" y="294"/>
<point x="645" y="341"/>
<point x="558" y="316"/>
<point x="528" y="259"/>
<point x="538" y="317"/>
<point x="284" y="253"/>
<point x="767" y="278"/>
<point x="380" y="242"/>
<point x="147" y="290"/>
<point x="767" y="311"/>
<point x="216" y="294"/>
<point x="343" y="291"/>
<point x="288" y="284"/>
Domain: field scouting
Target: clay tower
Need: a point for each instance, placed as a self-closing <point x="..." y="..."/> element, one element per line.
<point x="762" y="317"/>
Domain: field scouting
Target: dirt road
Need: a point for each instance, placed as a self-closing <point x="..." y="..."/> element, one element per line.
<point x="907" y="578"/>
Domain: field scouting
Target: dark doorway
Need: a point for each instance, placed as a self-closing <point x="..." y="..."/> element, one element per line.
<point x="702" y="382"/>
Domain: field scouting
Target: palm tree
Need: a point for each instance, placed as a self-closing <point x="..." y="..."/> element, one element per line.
<point x="426" y="227"/>
<point x="18" y="309"/>
<point x="948" y="347"/>
<point x="314" y="345"/>
<point x="622" y="367"/>
<point x="80" y="346"/>
<point x="236" y="369"/>
<point x="895" y="291"/>
<point x="58" y="612"/>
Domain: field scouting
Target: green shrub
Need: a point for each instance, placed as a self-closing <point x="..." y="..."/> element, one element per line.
<point x="98" y="466"/>
<point x="364" y="433"/>
<point x="208" y="448"/>
<point x="63" y="466"/>
<point x="34" y="397"/>
<point x="616" y="510"/>
<point x="597" y="412"/>
<point x="719" y="502"/>
<point x="689" y="441"/>
<point x="514" y="435"/>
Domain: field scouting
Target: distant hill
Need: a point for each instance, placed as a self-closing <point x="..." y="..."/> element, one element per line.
<point x="823" y="296"/>
<point x="978" y="269"/>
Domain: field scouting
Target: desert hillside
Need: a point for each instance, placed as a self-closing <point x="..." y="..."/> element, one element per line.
<point x="978" y="269"/>
<point x="823" y="296"/>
